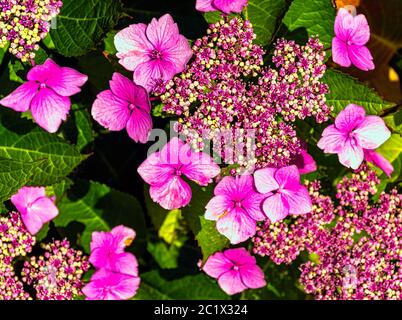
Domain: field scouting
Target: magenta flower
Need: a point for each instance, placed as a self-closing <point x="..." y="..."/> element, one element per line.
<point x="108" y="285"/>
<point x="35" y="207"/>
<point x="379" y="161"/>
<point x="46" y="94"/>
<point x="155" y="52"/>
<point x="305" y="162"/>
<point x="107" y="251"/>
<point x="236" y="270"/>
<point x="226" y="6"/>
<point x="351" y="35"/>
<point x="353" y="132"/>
<point x="284" y="193"/>
<point x="125" y="105"/>
<point x="163" y="171"/>
<point x="236" y="207"/>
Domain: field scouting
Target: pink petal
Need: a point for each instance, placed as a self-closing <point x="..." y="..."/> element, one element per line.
<point x="49" y="109"/>
<point x="27" y="196"/>
<point x="288" y="177"/>
<point x="231" y="282"/>
<point x="148" y="73"/>
<point x="379" y="161"/>
<point x="123" y="236"/>
<point x="204" y="5"/>
<point x="372" y="133"/>
<point x="361" y="57"/>
<point x="239" y="256"/>
<point x="139" y="125"/>
<point x="351" y="155"/>
<point x="228" y="6"/>
<point x="350" y="118"/>
<point x="41" y="73"/>
<point x="126" y="263"/>
<point x="66" y="82"/>
<point x="154" y="172"/>
<point x="298" y="200"/>
<point x="227" y="186"/>
<point x="332" y="140"/>
<point x="174" y="194"/>
<point x="44" y="208"/>
<point x="305" y="162"/>
<point x="344" y="24"/>
<point x="276" y="207"/>
<point x="236" y="225"/>
<point x="216" y="265"/>
<point x="252" y="276"/>
<point x="170" y="153"/>
<point x="361" y="31"/>
<point x="32" y="222"/>
<point x="110" y="111"/>
<point x="20" y="99"/>
<point x="179" y="53"/>
<point x="133" y="46"/>
<point x="162" y="33"/>
<point x="340" y="54"/>
<point x="218" y="206"/>
<point x="252" y="204"/>
<point x="265" y="181"/>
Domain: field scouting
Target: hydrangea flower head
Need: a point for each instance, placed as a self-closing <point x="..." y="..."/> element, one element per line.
<point x="236" y="207"/>
<point x="164" y="172"/>
<point x="284" y="193"/>
<point x="236" y="270"/>
<point x="226" y="6"/>
<point x="352" y="133"/>
<point x="155" y="52"/>
<point x="125" y="105"/>
<point x="46" y="94"/>
<point x="35" y="207"/>
<point x="351" y="35"/>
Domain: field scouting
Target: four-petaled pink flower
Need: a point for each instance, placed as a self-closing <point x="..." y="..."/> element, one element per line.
<point x="236" y="270"/>
<point x="284" y="193"/>
<point x="351" y="35"/>
<point x="109" y="285"/>
<point x="164" y="170"/>
<point x="236" y="207"/>
<point x="125" y="105"/>
<point x="353" y="132"/>
<point x="46" y="94"/>
<point x="116" y="277"/>
<point x="155" y="52"/>
<point x="226" y="6"/>
<point x="35" y="207"/>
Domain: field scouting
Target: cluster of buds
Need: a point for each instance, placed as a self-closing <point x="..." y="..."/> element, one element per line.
<point x="57" y="274"/>
<point x="24" y="23"/>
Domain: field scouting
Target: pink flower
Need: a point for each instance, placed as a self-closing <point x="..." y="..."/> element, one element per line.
<point x="155" y="52"/>
<point x="379" y="161"/>
<point x="47" y="94"/>
<point x="107" y="251"/>
<point x="164" y="171"/>
<point x="284" y="193"/>
<point x="108" y="285"/>
<point x="353" y="132"/>
<point x="236" y="270"/>
<point x="236" y="207"/>
<point x="35" y="207"/>
<point x="125" y="105"/>
<point x="226" y="6"/>
<point x="351" y="35"/>
<point x="305" y="162"/>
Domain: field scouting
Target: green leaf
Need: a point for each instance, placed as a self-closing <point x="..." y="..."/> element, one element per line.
<point x="14" y="67"/>
<point x="344" y="90"/>
<point x="215" y="16"/>
<point x="109" y="42"/>
<point x="81" y="24"/>
<point x="208" y="238"/>
<point x="165" y="255"/>
<point x="3" y="51"/>
<point x="21" y="140"/>
<point x="170" y="226"/>
<point x="316" y="17"/>
<point x="264" y="16"/>
<point x="154" y="210"/>
<point x="394" y="121"/>
<point x="14" y="175"/>
<point x="100" y="208"/>
<point x="161" y="285"/>
<point x="392" y="151"/>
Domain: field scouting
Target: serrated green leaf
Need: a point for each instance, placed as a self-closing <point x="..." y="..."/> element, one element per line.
<point x="161" y="285"/>
<point x="208" y="238"/>
<point x="23" y="141"/>
<point x="100" y="208"/>
<point x="317" y="17"/>
<point x="81" y="24"/>
<point x="345" y="89"/>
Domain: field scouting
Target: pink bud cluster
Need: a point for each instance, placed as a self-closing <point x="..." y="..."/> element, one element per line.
<point x="57" y="274"/>
<point x="23" y="23"/>
<point x="227" y="87"/>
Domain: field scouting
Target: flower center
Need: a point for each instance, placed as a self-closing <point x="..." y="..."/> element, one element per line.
<point x="155" y="55"/>
<point x="178" y="172"/>
<point x="42" y="85"/>
<point x="238" y="204"/>
<point x="235" y="268"/>
<point x="131" y="106"/>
